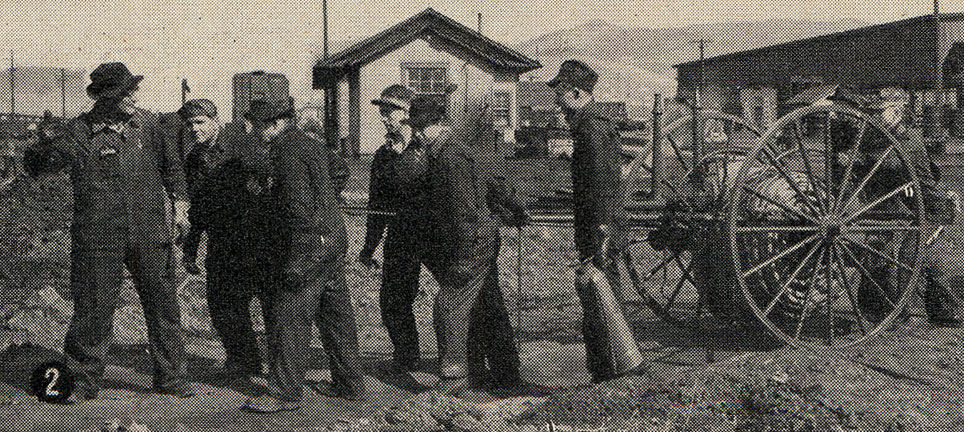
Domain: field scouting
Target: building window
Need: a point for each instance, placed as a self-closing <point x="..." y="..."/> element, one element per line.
<point x="501" y="104"/>
<point x="428" y="80"/>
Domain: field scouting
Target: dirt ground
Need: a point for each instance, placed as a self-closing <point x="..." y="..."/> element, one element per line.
<point x="734" y="379"/>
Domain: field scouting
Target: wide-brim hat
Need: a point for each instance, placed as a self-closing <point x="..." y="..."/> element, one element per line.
<point x="111" y="80"/>
<point x="262" y="110"/>
<point x="396" y="96"/>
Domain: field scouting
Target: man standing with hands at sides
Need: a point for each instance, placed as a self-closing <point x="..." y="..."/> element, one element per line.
<point x="121" y="169"/>
<point x="311" y="240"/>
<point x="461" y="249"/>
<point x="225" y="208"/>
<point x="400" y="275"/>
<point x="597" y="200"/>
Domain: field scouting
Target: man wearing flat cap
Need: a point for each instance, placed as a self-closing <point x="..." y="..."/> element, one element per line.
<point x="400" y="275"/>
<point x="123" y="173"/>
<point x="469" y="198"/>
<point x="597" y="200"/>
<point x="308" y="245"/>
<point x="224" y="208"/>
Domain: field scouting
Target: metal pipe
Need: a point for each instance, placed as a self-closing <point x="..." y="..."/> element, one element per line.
<point x="656" y="175"/>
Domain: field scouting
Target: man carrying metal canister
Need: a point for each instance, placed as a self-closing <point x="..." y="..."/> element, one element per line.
<point x="598" y="195"/>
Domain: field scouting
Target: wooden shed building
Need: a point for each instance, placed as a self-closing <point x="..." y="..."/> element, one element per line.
<point x="427" y="53"/>
<point x="910" y="57"/>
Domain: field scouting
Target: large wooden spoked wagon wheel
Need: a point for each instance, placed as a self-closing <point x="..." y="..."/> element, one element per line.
<point x="661" y="263"/>
<point x="825" y="226"/>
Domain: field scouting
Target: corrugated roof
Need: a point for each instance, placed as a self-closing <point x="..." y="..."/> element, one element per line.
<point x="429" y="22"/>
<point x="817" y="39"/>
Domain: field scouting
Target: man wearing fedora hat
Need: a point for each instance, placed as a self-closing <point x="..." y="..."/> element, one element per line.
<point x="308" y="247"/>
<point x="400" y="275"/>
<point x="123" y="173"/>
<point x="597" y="199"/>
<point x="460" y="245"/>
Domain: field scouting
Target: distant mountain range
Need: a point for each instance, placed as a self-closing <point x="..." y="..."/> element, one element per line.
<point x="634" y="63"/>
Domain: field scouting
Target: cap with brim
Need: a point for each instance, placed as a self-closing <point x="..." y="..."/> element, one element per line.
<point x="392" y="102"/>
<point x="198" y="107"/>
<point x="576" y="74"/>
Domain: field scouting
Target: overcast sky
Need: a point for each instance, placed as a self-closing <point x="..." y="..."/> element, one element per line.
<point x="207" y="41"/>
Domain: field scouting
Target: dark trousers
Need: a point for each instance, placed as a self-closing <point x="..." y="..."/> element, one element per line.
<point x="234" y="278"/>
<point x="399" y="288"/>
<point x="471" y="321"/>
<point x="599" y="362"/>
<point x="95" y="283"/>
<point x="324" y="299"/>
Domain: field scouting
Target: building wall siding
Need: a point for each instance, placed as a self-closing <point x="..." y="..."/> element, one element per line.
<point x="474" y="79"/>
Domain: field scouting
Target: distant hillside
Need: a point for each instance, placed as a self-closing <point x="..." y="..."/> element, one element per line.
<point x="634" y="63"/>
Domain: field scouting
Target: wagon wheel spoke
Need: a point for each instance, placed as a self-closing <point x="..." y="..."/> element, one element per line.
<point x="790" y="182"/>
<point x="878" y="253"/>
<point x="879" y="228"/>
<point x="789" y="281"/>
<point x="851" y="161"/>
<point x="805" y="309"/>
<point x="662" y="265"/>
<point x="775" y="229"/>
<point x="781" y="255"/>
<point x="828" y="179"/>
<point x="866" y="273"/>
<point x="828" y="304"/>
<point x="677" y="150"/>
<point x="783" y="206"/>
<point x="878" y="201"/>
<point x="861" y="321"/>
<point x="798" y="137"/>
<point x="869" y="175"/>
<point x="679" y="287"/>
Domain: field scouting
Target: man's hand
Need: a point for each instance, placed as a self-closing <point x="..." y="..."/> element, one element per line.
<point x="368" y="261"/>
<point x="181" y="223"/>
<point x="190" y="264"/>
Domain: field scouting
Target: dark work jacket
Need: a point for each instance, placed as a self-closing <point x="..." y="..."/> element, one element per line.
<point x="200" y="166"/>
<point x="468" y="195"/>
<point x="394" y="186"/>
<point x="301" y="201"/>
<point x="120" y="180"/>
<point x="598" y="194"/>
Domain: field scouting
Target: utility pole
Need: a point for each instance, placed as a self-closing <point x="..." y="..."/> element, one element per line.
<point x="932" y="129"/>
<point x="480" y="23"/>
<point x="697" y="106"/>
<point x="63" y="93"/>
<point x="13" y="100"/>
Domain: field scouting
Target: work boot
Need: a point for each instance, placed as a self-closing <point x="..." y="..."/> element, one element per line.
<point x="939" y="304"/>
<point x="327" y="389"/>
<point x="267" y="404"/>
<point x="452" y="386"/>
<point x="181" y="389"/>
